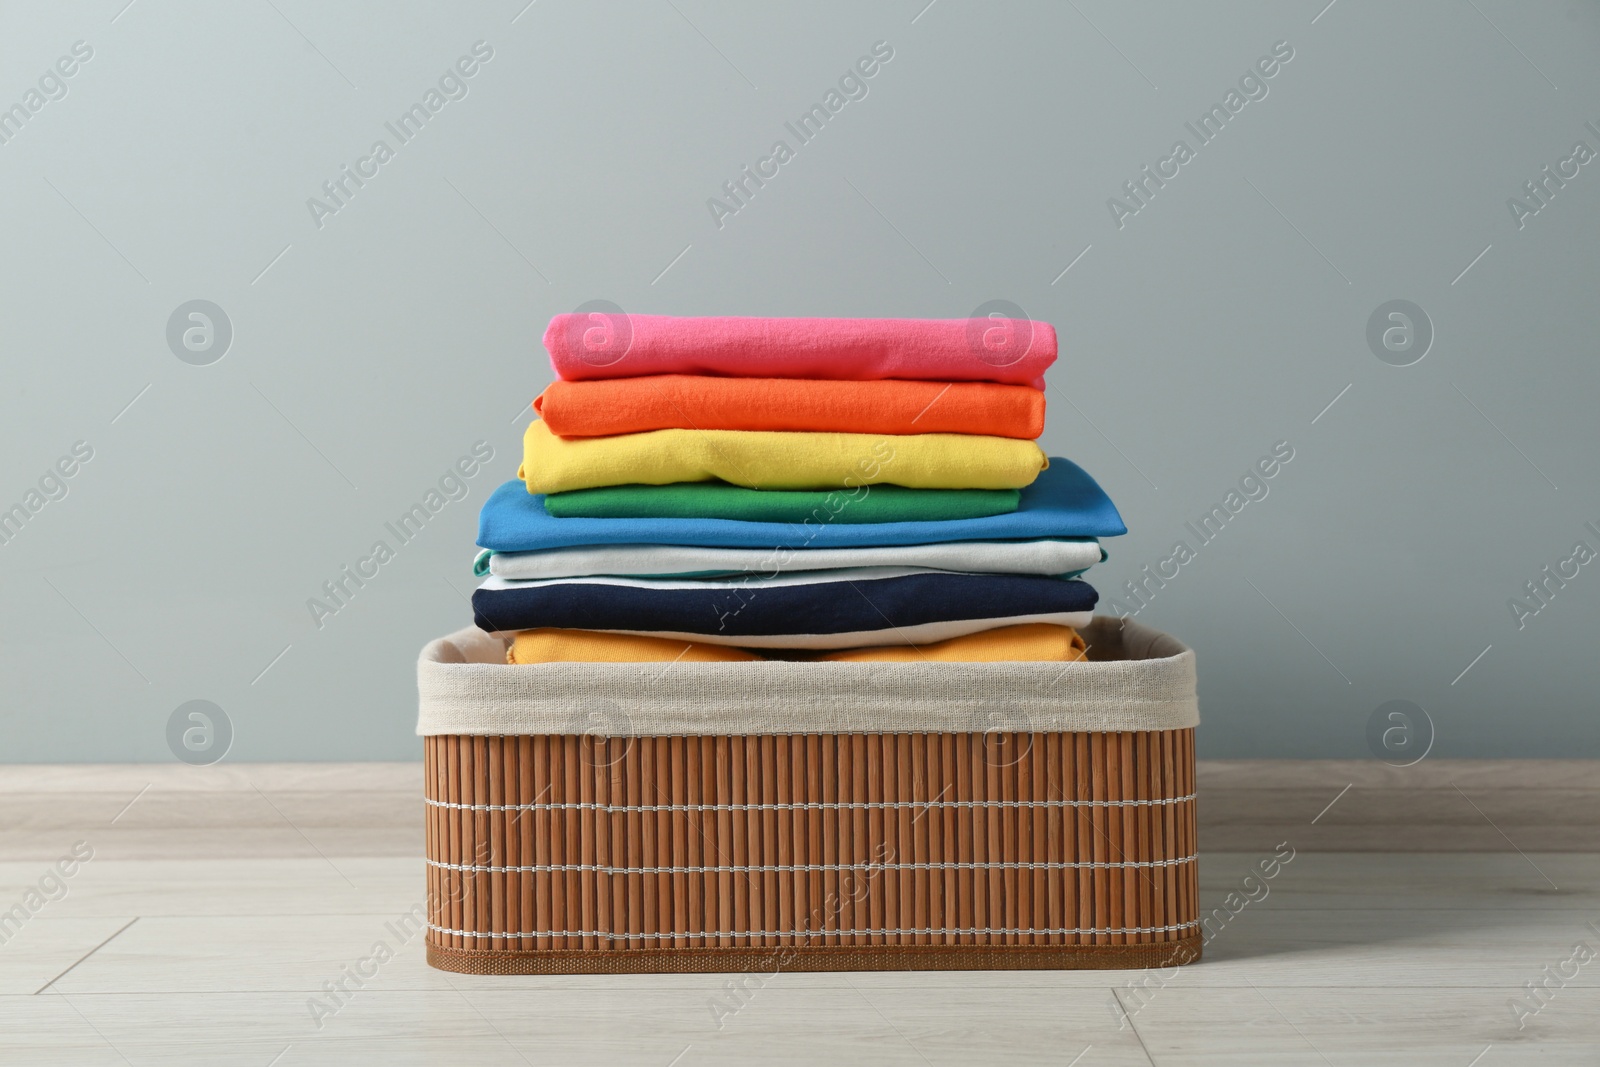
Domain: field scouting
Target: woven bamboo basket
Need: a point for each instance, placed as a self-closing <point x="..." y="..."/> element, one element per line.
<point x="611" y="849"/>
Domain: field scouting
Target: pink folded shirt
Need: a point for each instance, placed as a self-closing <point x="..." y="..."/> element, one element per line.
<point x="588" y="346"/>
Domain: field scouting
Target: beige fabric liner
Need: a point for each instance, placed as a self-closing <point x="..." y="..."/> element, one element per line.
<point x="1137" y="678"/>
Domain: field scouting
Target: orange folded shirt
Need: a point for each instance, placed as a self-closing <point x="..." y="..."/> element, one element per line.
<point x="693" y="402"/>
<point x="1027" y="642"/>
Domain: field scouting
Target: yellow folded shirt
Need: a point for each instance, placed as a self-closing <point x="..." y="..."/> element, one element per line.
<point x="759" y="459"/>
<point x="1028" y="642"/>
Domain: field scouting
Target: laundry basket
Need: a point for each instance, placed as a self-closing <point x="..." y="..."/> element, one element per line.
<point x="589" y="817"/>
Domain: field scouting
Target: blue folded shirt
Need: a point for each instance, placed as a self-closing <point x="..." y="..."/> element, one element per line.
<point x="1062" y="502"/>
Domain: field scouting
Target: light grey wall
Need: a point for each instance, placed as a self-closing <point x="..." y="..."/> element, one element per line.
<point x="371" y="352"/>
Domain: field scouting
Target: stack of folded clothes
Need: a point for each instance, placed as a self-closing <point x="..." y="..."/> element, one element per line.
<point x="745" y="488"/>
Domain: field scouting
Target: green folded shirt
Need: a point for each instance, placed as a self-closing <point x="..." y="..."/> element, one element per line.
<point x="719" y="500"/>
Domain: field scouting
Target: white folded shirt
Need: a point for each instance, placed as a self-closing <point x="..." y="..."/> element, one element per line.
<point x="992" y="557"/>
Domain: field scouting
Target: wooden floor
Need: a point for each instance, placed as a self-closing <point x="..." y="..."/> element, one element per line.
<point x="219" y="901"/>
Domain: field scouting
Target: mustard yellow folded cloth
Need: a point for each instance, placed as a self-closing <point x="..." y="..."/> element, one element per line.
<point x="1028" y="642"/>
<point x="760" y="459"/>
<point x="593" y="646"/>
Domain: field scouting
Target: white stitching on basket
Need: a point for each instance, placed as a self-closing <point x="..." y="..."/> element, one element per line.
<point x="814" y="805"/>
<point x="819" y="933"/>
<point x="949" y="865"/>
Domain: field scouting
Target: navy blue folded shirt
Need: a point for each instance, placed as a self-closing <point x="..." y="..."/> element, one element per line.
<point x="779" y="613"/>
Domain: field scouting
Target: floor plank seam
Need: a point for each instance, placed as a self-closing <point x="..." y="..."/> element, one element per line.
<point x="1289" y="1022"/>
<point x="85" y="956"/>
<point x="1137" y="1036"/>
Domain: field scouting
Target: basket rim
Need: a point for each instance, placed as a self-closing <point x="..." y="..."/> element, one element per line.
<point x="1137" y="679"/>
